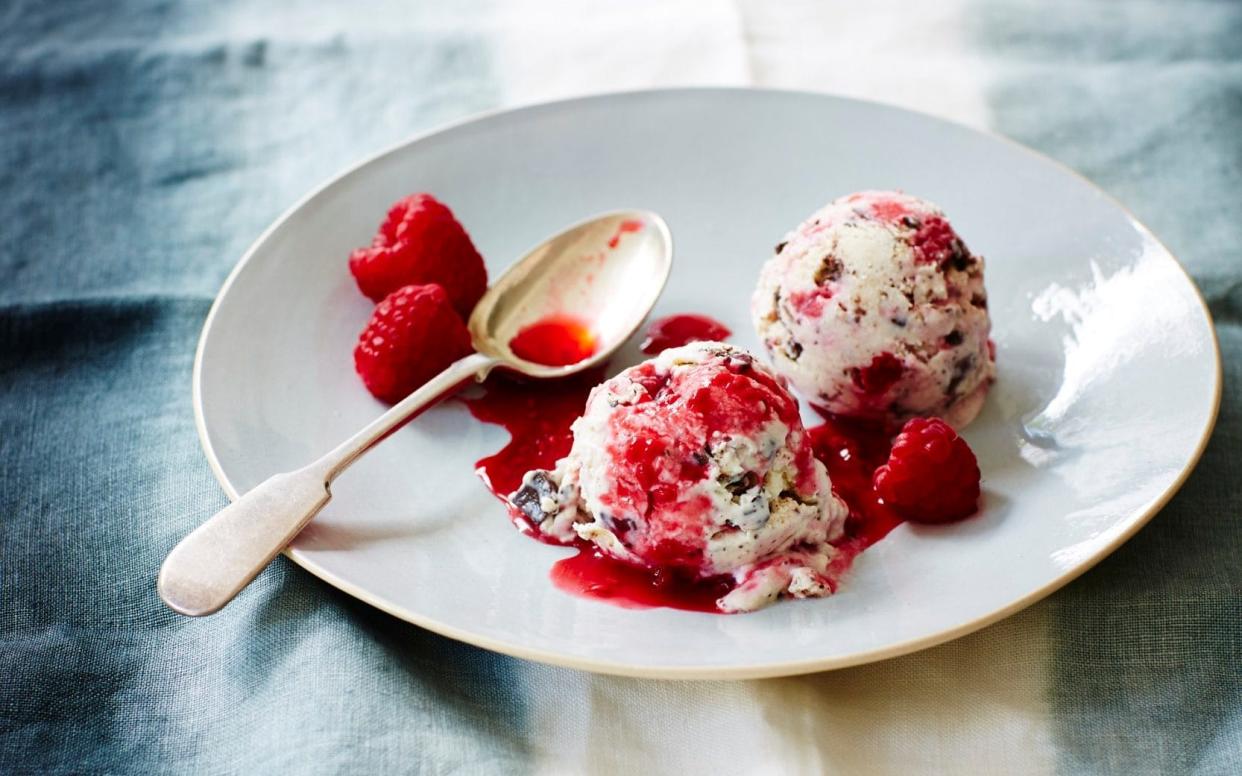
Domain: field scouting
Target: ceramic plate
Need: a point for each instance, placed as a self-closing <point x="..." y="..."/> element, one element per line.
<point x="1108" y="371"/>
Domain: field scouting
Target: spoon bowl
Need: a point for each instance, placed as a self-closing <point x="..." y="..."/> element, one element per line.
<point x="604" y="274"/>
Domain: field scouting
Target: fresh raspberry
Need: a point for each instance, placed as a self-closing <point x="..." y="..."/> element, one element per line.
<point x="412" y="336"/>
<point x="421" y="242"/>
<point x="931" y="475"/>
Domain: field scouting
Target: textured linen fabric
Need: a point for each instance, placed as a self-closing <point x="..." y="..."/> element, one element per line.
<point x="145" y="144"/>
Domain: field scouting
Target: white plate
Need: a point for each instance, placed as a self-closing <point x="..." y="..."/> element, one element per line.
<point x="1109" y="376"/>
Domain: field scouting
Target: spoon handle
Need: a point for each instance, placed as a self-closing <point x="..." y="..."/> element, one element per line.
<point x="216" y="560"/>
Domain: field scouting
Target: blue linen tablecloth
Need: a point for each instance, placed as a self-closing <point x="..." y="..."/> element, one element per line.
<point x="144" y="144"/>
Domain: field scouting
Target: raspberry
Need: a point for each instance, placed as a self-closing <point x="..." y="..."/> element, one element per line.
<point x="935" y="242"/>
<point x="888" y="209"/>
<point x="931" y="475"/>
<point x="878" y="376"/>
<point x="421" y="242"/>
<point x="412" y="336"/>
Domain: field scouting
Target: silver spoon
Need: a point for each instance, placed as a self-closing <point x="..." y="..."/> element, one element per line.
<point x="607" y="271"/>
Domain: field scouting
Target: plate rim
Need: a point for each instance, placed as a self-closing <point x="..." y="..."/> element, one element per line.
<point x="1138" y="519"/>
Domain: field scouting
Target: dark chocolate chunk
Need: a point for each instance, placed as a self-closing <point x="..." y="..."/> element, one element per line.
<point x="780" y="246"/>
<point x="528" y="498"/>
<point x="961" y="368"/>
<point x="829" y="270"/>
<point x="961" y="257"/>
<point x="740" y="485"/>
<point x="953" y="338"/>
<point x="793" y="495"/>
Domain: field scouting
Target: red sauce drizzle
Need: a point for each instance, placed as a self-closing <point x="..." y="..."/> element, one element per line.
<point x="623" y="228"/>
<point x="852" y="450"/>
<point x="677" y="330"/>
<point x="537" y="416"/>
<point x="558" y="340"/>
<point x="592" y="574"/>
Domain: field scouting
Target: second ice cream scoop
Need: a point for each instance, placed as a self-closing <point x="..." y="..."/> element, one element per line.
<point x="874" y="307"/>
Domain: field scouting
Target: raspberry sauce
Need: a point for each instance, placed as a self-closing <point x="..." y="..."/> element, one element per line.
<point x="558" y="340"/>
<point x="624" y="227"/>
<point x="537" y="416"/>
<point x="878" y="376"/>
<point x="592" y="574"/>
<point x="677" y="330"/>
<point x="852" y="450"/>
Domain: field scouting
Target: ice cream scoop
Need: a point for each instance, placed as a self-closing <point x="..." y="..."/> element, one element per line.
<point x="696" y="463"/>
<point x="605" y="273"/>
<point x="874" y="307"/>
